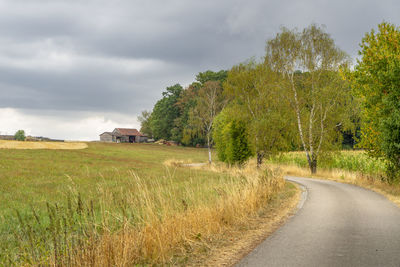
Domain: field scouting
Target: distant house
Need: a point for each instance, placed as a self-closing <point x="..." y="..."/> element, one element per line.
<point x="123" y="135"/>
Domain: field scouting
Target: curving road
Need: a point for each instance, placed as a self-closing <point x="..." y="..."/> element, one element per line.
<point x="337" y="225"/>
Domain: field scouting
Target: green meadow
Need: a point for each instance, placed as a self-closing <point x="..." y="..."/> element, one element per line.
<point x="35" y="183"/>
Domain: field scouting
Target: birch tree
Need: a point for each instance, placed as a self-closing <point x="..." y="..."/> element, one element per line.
<point x="210" y="102"/>
<point x="309" y="63"/>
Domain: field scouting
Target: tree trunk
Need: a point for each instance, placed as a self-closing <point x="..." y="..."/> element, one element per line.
<point x="260" y="156"/>
<point x="313" y="166"/>
<point x="209" y="149"/>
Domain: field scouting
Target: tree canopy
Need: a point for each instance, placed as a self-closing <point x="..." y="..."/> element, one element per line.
<point x="376" y="81"/>
<point x="308" y="63"/>
<point x="258" y="100"/>
<point x="176" y="116"/>
<point x="165" y="112"/>
<point x="302" y="95"/>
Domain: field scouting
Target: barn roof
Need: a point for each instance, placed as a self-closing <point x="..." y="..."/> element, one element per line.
<point x="126" y="131"/>
<point x="110" y="133"/>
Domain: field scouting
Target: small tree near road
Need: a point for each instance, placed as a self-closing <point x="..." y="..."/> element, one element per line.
<point x="20" y="135"/>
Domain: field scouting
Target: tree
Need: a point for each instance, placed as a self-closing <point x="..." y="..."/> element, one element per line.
<point x="165" y="112"/>
<point x="209" y="75"/>
<point x="188" y="133"/>
<point x="210" y="102"/>
<point x="144" y="120"/>
<point x="189" y="129"/>
<point x="309" y="63"/>
<point x="231" y="138"/>
<point x="20" y="135"/>
<point x="376" y="80"/>
<point x="262" y="104"/>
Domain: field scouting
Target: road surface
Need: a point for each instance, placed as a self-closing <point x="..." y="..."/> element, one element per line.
<point x="337" y="225"/>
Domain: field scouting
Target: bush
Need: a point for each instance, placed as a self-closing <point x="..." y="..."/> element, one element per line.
<point x="231" y="139"/>
<point x="20" y="135"/>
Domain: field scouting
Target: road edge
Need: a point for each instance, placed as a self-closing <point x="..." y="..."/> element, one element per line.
<point x="232" y="253"/>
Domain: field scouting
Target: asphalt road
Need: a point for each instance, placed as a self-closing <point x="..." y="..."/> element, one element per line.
<point x="337" y="225"/>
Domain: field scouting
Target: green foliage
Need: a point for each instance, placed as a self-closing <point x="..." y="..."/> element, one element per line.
<point x="20" y="135"/>
<point x="262" y="104"/>
<point x="220" y="136"/>
<point x="176" y="116"/>
<point x="201" y="102"/>
<point x="238" y="147"/>
<point x="209" y="75"/>
<point x="165" y="113"/>
<point x="319" y="97"/>
<point x="376" y="81"/>
<point x="144" y="120"/>
<point x="231" y="139"/>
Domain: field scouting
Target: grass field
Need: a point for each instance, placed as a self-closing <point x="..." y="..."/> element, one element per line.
<point x="120" y="204"/>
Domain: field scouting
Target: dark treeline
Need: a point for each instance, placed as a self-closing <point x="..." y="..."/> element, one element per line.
<point x="301" y="95"/>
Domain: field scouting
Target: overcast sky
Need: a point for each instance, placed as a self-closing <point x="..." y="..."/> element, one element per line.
<point x="73" y="69"/>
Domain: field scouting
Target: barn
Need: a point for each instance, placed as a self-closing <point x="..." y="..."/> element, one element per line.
<point x="106" y="137"/>
<point x="123" y="135"/>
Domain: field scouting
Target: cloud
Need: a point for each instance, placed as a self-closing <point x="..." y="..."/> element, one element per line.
<point x="71" y="126"/>
<point x="116" y="57"/>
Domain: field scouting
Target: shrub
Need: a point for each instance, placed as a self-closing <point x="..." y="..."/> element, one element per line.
<point x="231" y="139"/>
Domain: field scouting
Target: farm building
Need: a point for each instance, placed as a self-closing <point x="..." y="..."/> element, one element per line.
<point x="123" y="135"/>
<point x="106" y="137"/>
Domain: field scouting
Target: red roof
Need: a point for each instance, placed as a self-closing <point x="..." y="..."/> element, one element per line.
<point x="126" y="131"/>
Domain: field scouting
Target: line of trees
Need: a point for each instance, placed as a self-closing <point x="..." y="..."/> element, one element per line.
<point x="186" y="115"/>
<point x="302" y="95"/>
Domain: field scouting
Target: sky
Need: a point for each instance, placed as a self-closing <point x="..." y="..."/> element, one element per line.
<point x="72" y="69"/>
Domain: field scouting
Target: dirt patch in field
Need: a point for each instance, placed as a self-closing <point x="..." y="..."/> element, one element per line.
<point x="41" y="145"/>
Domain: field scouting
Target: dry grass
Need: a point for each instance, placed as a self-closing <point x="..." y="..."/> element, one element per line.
<point x="392" y="192"/>
<point x="167" y="237"/>
<point x="238" y="242"/>
<point x="177" y="162"/>
<point x="164" y="236"/>
<point x="41" y="145"/>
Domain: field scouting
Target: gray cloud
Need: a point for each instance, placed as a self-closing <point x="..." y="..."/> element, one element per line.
<point x="117" y="56"/>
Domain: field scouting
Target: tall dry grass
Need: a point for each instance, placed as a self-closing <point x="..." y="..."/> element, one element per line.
<point x="146" y="222"/>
